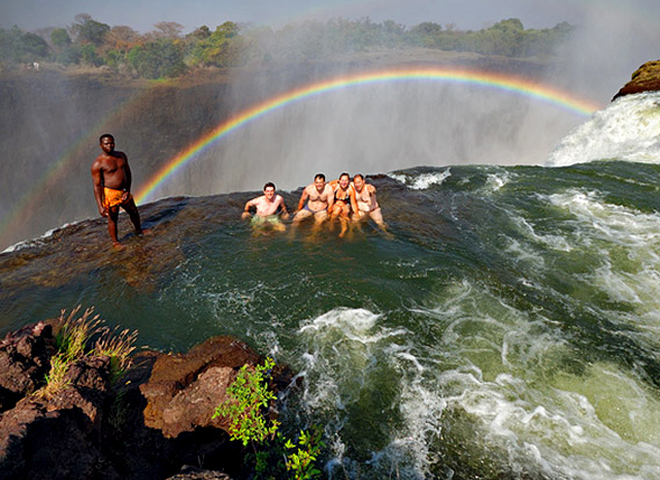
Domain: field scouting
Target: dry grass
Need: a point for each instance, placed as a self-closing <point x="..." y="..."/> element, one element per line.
<point x="73" y="334"/>
<point x="119" y="347"/>
<point x="73" y="340"/>
<point x="55" y="378"/>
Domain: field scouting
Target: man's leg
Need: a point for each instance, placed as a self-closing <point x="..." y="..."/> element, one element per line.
<point x="113" y="214"/>
<point x="301" y="215"/>
<point x="377" y="217"/>
<point x="134" y="215"/>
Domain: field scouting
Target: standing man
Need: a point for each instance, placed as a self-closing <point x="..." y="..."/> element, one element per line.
<point x="316" y="200"/>
<point x="268" y="206"/>
<point x="112" y="186"/>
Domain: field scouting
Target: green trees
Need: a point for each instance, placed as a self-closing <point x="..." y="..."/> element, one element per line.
<point x="60" y="38"/>
<point x="19" y="47"/>
<point x="158" y="59"/>
<point x="222" y="48"/>
<point x="88" y="30"/>
<point x="166" y="52"/>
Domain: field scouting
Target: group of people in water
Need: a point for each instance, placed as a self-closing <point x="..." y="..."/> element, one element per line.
<point x="346" y="200"/>
<point x="342" y="200"/>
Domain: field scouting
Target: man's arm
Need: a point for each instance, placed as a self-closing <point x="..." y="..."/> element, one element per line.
<point x="97" y="179"/>
<point x="281" y="204"/>
<point x="303" y="199"/>
<point x="246" y="209"/>
<point x="129" y="178"/>
<point x="351" y="196"/>
<point x="331" y="197"/>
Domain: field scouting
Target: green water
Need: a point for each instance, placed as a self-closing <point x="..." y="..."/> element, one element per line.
<point x="506" y="328"/>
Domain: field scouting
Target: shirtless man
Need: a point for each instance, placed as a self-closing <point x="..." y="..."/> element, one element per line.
<point x="319" y="199"/>
<point x="112" y="186"/>
<point x="367" y="206"/>
<point x="345" y="201"/>
<point x="268" y="205"/>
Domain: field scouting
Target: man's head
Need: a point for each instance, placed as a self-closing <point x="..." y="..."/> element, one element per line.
<point x="344" y="180"/>
<point x="319" y="181"/>
<point x="107" y="142"/>
<point x="358" y="181"/>
<point x="269" y="190"/>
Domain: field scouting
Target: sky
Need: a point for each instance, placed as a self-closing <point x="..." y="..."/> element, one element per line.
<point x="30" y="15"/>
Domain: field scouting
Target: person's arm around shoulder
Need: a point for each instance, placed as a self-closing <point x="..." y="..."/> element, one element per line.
<point x="281" y="203"/>
<point x="331" y="197"/>
<point x="303" y="199"/>
<point x="97" y="179"/>
<point x="353" y="200"/>
<point x="371" y="189"/>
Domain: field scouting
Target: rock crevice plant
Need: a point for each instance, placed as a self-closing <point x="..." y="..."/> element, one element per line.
<point x="79" y="336"/>
<point x="246" y="407"/>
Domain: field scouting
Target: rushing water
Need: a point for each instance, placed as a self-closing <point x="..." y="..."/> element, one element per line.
<point x="508" y="327"/>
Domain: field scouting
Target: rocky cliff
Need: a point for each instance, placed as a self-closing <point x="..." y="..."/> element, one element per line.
<point x="645" y="79"/>
<point x="149" y="424"/>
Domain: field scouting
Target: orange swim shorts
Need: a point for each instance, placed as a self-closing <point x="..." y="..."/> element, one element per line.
<point x="113" y="197"/>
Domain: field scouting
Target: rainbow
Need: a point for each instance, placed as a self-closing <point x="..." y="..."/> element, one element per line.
<point x="502" y="83"/>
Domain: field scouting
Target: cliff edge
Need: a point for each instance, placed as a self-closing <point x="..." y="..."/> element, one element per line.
<point x="645" y="79"/>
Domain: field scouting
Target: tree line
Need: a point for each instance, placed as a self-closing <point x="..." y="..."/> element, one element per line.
<point x="167" y="52"/>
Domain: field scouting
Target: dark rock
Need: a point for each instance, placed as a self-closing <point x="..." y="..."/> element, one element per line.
<point x="59" y="444"/>
<point x="645" y="79"/>
<point x="24" y="362"/>
<point x="192" y="473"/>
<point x="58" y="438"/>
<point x="90" y="382"/>
<point x="184" y="390"/>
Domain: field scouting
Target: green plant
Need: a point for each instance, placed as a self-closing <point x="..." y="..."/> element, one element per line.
<point x="249" y="396"/>
<point x="72" y="334"/>
<point x="55" y="378"/>
<point x="301" y="459"/>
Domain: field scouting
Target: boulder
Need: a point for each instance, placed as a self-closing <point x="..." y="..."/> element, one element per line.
<point x="24" y="362"/>
<point x="192" y="473"/>
<point x="645" y="79"/>
<point x="58" y="437"/>
<point x="185" y="389"/>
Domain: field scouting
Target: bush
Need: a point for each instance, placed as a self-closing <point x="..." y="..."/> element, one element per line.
<point x="159" y="59"/>
<point x="249" y="396"/>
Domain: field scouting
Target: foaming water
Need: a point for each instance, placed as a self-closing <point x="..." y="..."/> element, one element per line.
<point x="628" y="129"/>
